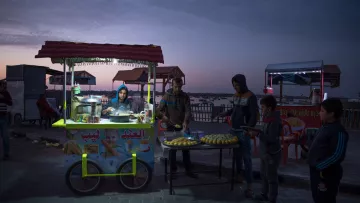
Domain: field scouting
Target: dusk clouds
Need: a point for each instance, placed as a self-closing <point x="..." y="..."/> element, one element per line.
<point x="200" y="36"/>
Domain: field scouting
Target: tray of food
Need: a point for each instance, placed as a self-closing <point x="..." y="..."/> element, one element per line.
<point x="219" y="139"/>
<point x="181" y="142"/>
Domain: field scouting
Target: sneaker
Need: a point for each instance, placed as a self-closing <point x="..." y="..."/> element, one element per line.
<point x="249" y="193"/>
<point x="6" y="157"/>
<point x="174" y="176"/>
<point x="192" y="175"/>
<point x="239" y="179"/>
<point x="261" y="197"/>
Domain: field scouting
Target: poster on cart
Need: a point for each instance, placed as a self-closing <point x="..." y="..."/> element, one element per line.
<point x="109" y="148"/>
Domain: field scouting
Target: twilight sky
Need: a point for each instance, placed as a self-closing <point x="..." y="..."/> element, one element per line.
<point x="210" y="40"/>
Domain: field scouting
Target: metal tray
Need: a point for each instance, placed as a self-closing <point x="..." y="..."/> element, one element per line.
<point x="182" y="147"/>
<point x="220" y="145"/>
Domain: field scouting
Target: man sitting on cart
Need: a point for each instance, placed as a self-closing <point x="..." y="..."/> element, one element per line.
<point x="174" y="110"/>
<point x="120" y="102"/>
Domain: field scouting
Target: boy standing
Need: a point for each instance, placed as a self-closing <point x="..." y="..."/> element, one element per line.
<point x="270" y="150"/>
<point x="244" y="113"/>
<point x="326" y="153"/>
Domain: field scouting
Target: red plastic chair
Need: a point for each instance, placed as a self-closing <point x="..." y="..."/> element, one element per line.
<point x="288" y="138"/>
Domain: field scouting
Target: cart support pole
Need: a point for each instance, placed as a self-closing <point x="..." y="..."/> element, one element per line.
<point x="265" y="82"/>
<point x="64" y="89"/>
<point x="281" y="90"/>
<point x="154" y="92"/>
<point x="149" y="81"/>
<point x="71" y="69"/>
<point x="322" y="85"/>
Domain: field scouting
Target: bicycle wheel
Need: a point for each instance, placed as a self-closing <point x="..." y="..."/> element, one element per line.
<point x="138" y="182"/>
<point x="80" y="185"/>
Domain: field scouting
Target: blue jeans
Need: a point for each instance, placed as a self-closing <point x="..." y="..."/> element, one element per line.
<point x="5" y="134"/>
<point x="243" y="153"/>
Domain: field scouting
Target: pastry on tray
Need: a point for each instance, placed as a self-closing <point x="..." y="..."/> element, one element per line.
<point x="219" y="139"/>
<point x="181" y="142"/>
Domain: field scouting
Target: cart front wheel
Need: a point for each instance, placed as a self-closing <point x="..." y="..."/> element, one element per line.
<point x="80" y="185"/>
<point x="138" y="182"/>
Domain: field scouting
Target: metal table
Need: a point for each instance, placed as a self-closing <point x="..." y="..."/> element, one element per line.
<point x="197" y="147"/>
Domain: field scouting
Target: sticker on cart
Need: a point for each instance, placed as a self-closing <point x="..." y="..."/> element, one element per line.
<point x="144" y="145"/>
<point x="129" y="146"/>
<point x="110" y="144"/>
<point x="90" y="136"/>
<point x="132" y="134"/>
<point x="134" y="140"/>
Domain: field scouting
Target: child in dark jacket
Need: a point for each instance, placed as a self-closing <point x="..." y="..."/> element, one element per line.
<point x="326" y="153"/>
<point x="270" y="150"/>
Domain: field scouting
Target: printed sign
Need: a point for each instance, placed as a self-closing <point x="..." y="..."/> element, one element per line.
<point x="90" y="136"/>
<point x="110" y="148"/>
<point x="307" y="116"/>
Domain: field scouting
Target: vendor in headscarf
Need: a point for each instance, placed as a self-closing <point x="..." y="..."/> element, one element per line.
<point x="120" y="102"/>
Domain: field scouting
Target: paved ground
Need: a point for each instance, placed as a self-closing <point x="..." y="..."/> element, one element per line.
<point x="35" y="174"/>
<point x="292" y="171"/>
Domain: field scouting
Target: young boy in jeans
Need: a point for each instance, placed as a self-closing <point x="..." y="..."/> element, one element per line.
<point x="270" y="150"/>
<point x="326" y="153"/>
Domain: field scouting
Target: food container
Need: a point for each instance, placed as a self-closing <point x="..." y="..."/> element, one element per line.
<point x="174" y="134"/>
<point x="195" y="135"/>
<point x="315" y="96"/>
<point x="122" y="118"/>
<point x="82" y="118"/>
<point x="93" y="119"/>
<point x="95" y="105"/>
<point x="201" y="134"/>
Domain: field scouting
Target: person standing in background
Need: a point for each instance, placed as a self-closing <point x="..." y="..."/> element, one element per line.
<point x="48" y="113"/>
<point x="245" y="112"/>
<point x="5" y="101"/>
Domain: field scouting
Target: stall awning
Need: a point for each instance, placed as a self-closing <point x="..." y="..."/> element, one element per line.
<point x="137" y="75"/>
<point x="166" y="71"/>
<point x="299" y="76"/>
<point x="90" y="52"/>
<point x="81" y="77"/>
<point x="294" y="67"/>
<point x="53" y="72"/>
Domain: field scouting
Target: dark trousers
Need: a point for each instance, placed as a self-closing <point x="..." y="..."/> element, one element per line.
<point x="325" y="189"/>
<point x="269" y="175"/>
<point x="186" y="155"/>
<point x="4" y="133"/>
<point x="243" y="158"/>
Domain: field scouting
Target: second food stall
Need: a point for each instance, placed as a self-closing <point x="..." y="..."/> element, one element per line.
<point x="302" y="116"/>
<point x="98" y="147"/>
<point x="312" y="74"/>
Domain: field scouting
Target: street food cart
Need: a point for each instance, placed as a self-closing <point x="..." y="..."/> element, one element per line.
<point x="302" y="116"/>
<point x="99" y="147"/>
